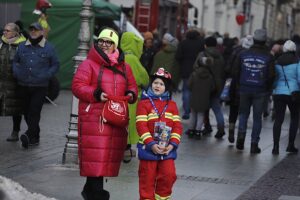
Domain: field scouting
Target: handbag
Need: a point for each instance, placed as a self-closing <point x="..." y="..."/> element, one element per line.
<point x="295" y="95"/>
<point x="115" y="111"/>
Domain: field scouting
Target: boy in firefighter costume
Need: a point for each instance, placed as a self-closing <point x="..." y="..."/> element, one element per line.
<point x="159" y="127"/>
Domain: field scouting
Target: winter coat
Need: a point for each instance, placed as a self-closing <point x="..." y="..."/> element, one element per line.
<point x="290" y="64"/>
<point x="217" y="69"/>
<point x="10" y="102"/>
<point x="201" y="85"/>
<point x="145" y="121"/>
<point x="35" y="65"/>
<point x="101" y="146"/>
<point x="187" y="52"/>
<point x="132" y="46"/>
<point x="165" y="58"/>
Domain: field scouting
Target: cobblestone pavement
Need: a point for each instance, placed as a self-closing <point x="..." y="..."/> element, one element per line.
<point x="208" y="169"/>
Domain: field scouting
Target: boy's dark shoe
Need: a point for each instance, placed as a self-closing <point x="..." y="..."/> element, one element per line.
<point x="207" y="129"/>
<point x="275" y="150"/>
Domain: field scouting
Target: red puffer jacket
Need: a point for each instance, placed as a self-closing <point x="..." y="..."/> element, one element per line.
<point x="100" y="153"/>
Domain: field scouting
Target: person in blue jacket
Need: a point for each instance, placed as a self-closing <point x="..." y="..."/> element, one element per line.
<point x="287" y="70"/>
<point x="34" y="64"/>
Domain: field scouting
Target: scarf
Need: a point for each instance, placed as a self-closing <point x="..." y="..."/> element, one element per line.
<point x="149" y="93"/>
<point x="113" y="57"/>
<point x="35" y="41"/>
<point x="15" y="40"/>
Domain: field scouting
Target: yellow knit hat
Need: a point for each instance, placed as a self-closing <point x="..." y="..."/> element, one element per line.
<point x="110" y="34"/>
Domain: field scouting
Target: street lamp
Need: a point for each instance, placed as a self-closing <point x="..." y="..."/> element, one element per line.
<point x="70" y="155"/>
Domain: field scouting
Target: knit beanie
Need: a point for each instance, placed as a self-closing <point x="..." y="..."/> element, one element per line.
<point x="289" y="46"/>
<point x="148" y="36"/>
<point x="247" y="41"/>
<point x="110" y="34"/>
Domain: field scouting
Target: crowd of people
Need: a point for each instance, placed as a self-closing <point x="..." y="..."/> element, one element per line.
<point x="125" y="87"/>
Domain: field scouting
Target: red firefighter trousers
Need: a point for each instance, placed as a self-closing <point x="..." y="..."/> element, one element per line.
<point x="156" y="177"/>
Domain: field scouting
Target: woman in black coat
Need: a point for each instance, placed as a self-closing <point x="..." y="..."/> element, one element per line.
<point x="10" y="104"/>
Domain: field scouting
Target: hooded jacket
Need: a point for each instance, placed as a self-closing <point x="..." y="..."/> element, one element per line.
<point x="101" y="146"/>
<point x="132" y="46"/>
<point x="201" y="85"/>
<point x="217" y="69"/>
<point x="10" y="103"/>
<point x="287" y="64"/>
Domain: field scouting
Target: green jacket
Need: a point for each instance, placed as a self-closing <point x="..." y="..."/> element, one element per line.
<point x="132" y="46"/>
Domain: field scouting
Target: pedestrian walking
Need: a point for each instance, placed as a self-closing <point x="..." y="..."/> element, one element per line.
<point x="102" y="77"/>
<point x="217" y="71"/>
<point x="158" y="124"/>
<point x="10" y="101"/>
<point x="287" y="83"/>
<point x="254" y="70"/>
<point x="186" y="54"/>
<point x="201" y="84"/>
<point x="234" y="97"/>
<point x="34" y="64"/>
<point x="132" y="47"/>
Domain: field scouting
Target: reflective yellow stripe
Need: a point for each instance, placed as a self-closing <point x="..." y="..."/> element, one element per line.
<point x="154" y="117"/>
<point x="145" y="136"/>
<point x="157" y="197"/>
<point x="176" y="118"/>
<point x="142" y="118"/>
<point x="176" y="135"/>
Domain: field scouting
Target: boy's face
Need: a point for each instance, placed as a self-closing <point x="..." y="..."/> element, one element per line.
<point x="158" y="86"/>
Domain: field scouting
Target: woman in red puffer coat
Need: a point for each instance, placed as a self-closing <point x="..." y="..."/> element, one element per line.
<point x="101" y="146"/>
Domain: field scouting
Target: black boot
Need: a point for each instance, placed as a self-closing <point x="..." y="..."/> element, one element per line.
<point x="101" y="195"/>
<point x="275" y="150"/>
<point x="220" y="133"/>
<point x="207" y="129"/>
<point x="240" y="140"/>
<point x="291" y="149"/>
<point x="197" y="134"/>
<point x="255" y="148"/>
<point x="231" y="133"/>
<point x="86" y="192"/>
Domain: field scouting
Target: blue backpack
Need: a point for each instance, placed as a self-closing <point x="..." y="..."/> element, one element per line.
<point x="254" y="69"/>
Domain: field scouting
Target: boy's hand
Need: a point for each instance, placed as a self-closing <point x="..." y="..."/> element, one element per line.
<point x="156" y="149"/>
<point x="168" y="149"/>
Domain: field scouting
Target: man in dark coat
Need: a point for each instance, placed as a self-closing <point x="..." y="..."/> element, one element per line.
<point x="186" y="54"/>
<point x="254" y="72"/>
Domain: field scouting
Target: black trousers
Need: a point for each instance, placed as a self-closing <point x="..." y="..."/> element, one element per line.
<point x="280" y="103"/>
<point x="33" y="100"/>
<point x="17" y="122"/>
<point x="95" y="183"/>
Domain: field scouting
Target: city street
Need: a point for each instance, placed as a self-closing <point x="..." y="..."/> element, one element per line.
<point x="207" y="169"/>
